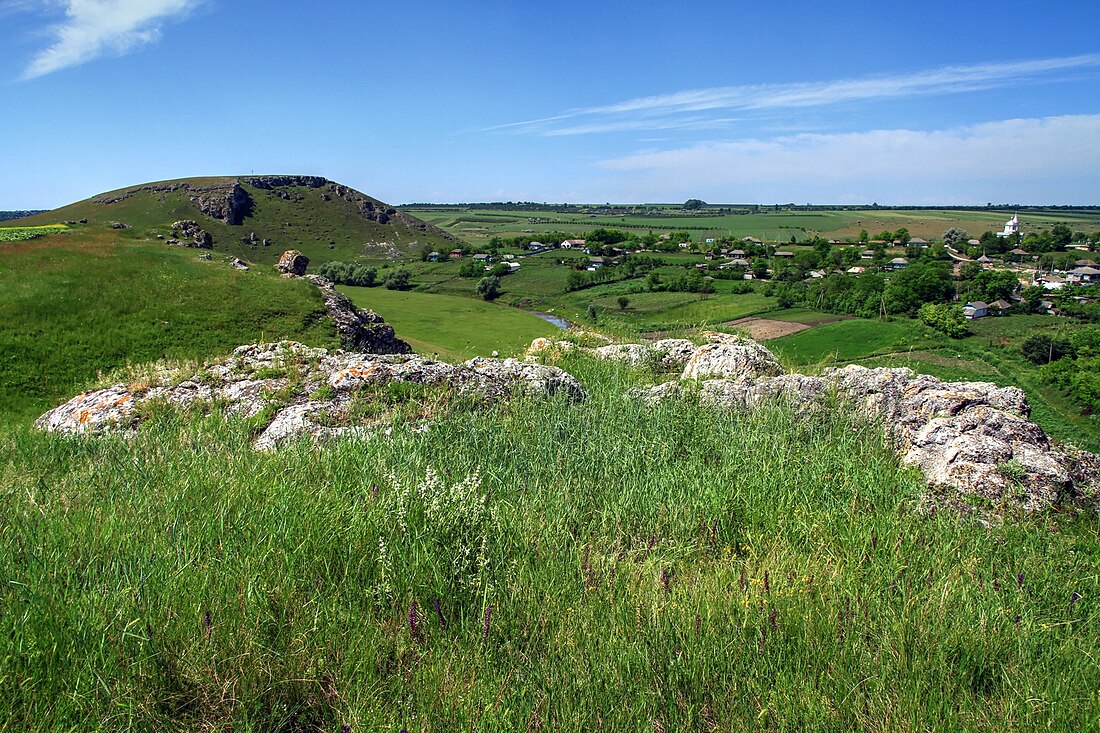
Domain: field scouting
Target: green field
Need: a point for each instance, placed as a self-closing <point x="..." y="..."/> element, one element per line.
<point x="451" y="327"/>
<point x="477" y="226"/>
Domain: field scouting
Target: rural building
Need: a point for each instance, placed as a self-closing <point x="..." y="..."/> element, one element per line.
<point x="977" y="309"/>
<point x="482" y="258"/>
<point x="1083" y="275"/>
<point x="455" y="254"/>
<point x="737" y="253"/>
<point x="867" y="254"/>
<point x="535" y="246"/>
<point x="973" y="242"/>
<point x="512" y="266"/>
<point x="434" y="257"/>
<point x="898" y="263"/>
<point x="1012" y="227"/>
<point x="595" y="263"/>
<point x="918" y="242"/>
<point x="856" y="270"/>
<point x="784" y="255"/>
<point x="1051" y="282"/>
<point x="1001" y="305"/>
<point x="573" y="244"/>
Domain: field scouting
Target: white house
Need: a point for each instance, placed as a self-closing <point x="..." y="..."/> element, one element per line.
<point x="977" y="309"/>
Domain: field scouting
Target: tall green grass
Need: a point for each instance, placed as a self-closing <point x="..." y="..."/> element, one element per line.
<point x="596" y="566"/>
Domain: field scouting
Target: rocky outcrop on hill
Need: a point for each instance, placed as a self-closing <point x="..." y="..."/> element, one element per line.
<point x="230" y="205"/>
<point x="359" y="329"/>
<point x="268" y="183"/>
<point x="304" y="391"/>
<point x="193" y="235"/>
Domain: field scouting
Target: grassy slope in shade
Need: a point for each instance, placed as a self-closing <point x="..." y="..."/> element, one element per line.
<point x="631" y="568"/>
<point x="455" y="328"/>
<point x="73" y="309"/>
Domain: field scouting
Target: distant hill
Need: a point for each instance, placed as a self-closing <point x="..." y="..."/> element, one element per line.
<point x="9" y="215"/>
<point x="256" y="218"/>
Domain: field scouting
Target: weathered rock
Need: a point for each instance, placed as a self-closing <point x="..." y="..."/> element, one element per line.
<point x="238" y="264"/>
<point x="733" y="360"/>
<point x="360" y="330"/>
<point x="230" y="204"/>
<point x="199" y="237"/>
<point x="665" y="354"/>
<point x="532" y="379"/>
<point x="632" y="354"/>
<point x="293" y="262"/>
<point x="290" y="378"/>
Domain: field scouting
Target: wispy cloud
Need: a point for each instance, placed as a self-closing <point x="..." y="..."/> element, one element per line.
<point x="95" y="28"/>
<point x="683" y="110"/>
<point x="1018" y="150"/>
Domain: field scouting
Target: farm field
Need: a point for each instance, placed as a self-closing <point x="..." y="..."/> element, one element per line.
<point x="453" y="328"/>
<point x="476" y="226"/>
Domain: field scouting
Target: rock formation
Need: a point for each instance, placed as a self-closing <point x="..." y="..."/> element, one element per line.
<point x="231" y="204"/>
<point x="359" y="329"/>
<point x="292" y="262"/>
<point x="308" y="392"/>
<point x="193" y="234"/>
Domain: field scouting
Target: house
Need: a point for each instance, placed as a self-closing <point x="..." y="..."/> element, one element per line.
<point x="867" y="254"/>
<point x="985" y="262"/>
<point x="482" y="258"/>
<point x="595" y="263"/>
<point x="1002" y="305"/>
<point x="1083" y="275"/>
<point x="573" y="244"/>
<point x="856" y="270"/>
<point x="785" y="255"/>
<point x="536" y="246"/>
<point x="918" y="242"/>
<point x="737" y="253"/>
<point x="1051" y="282"/>
<point x="512" y="266"/>
<point x="898" y="263"/>
<point x="752" y="240"/>
<point x="973" y="242"/>
<point x="455" y="254"/>
<point x="434" y="257"/>
<point x="817" y="274"/>
<point x="977" y="309"/>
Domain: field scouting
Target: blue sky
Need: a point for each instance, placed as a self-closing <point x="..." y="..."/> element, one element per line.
<point x="844" y="102"/>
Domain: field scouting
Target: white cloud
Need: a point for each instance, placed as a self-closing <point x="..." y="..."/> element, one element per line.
<point x="669" y="111"/>
<point x="1028" y="153"/>
<point x="95" y="28"/>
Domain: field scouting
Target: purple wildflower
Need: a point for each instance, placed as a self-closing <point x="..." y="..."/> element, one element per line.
<point x="666" y="579"/>
<point x="439" y="614"/>
<point x="345" y="728"/>
<point x="767" y="585"/>
<point x="208" y="622"/>
<point x="1074" y="598"/>
<point x="772" y="621"/>
<point x="374" y="492"/>
<point x="996" y="586"/>
<point x="415" y="631"/>
<point x="1019" y="580"/>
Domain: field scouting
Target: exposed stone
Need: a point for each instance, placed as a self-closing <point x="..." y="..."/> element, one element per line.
<point x="731" y="359"/>
<point x="268" y="183"/>
<point x="289" y="379"/>
<point x="238" y="264"/>
<point x="360" y="330"/>
<point x="293" y="262"/>
<point x="119" y="225"/>
<point x="666" y="353"/>
<point x="230" y="204"/>
<point x="190" y="230"/>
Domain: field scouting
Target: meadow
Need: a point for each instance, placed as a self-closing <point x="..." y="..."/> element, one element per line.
<point x="557" y="566"/>
<point x="451" y="327"/>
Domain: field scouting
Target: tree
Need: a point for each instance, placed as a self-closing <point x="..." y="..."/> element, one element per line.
<point x="954" y="235"/>
<point x="623" y="302"/>
<point x="902" y="235"/>
<point x="947" y="319"/>
<point x="592" y="312"/>
<point x="864" y="237"/>
<point x="488" y="287"/>
<point x="1044" y="348"/>
<point x="397" y="279"/>
<point x="694" y="204"/>
<point x="1061" y="235"/>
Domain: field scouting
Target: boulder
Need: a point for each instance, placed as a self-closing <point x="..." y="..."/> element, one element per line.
<point x="238" y="264"/>
<point x="292" y="262"/>
<point x="740" y="359"/>
<point x="360" y="330"/>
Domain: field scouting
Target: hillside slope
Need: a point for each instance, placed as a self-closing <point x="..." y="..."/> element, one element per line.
<point x="256" y="218"/>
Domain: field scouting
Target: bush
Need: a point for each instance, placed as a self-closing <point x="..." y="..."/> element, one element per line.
<point x="488" y="287"/>
<point x="947" y="319"/>
<point x="397" y="280"/>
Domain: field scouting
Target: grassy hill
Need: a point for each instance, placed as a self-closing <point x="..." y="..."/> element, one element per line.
<point x="322" y="219"/>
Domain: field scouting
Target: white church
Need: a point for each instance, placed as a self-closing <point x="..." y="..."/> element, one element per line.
<point x="1012" y="227"/>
